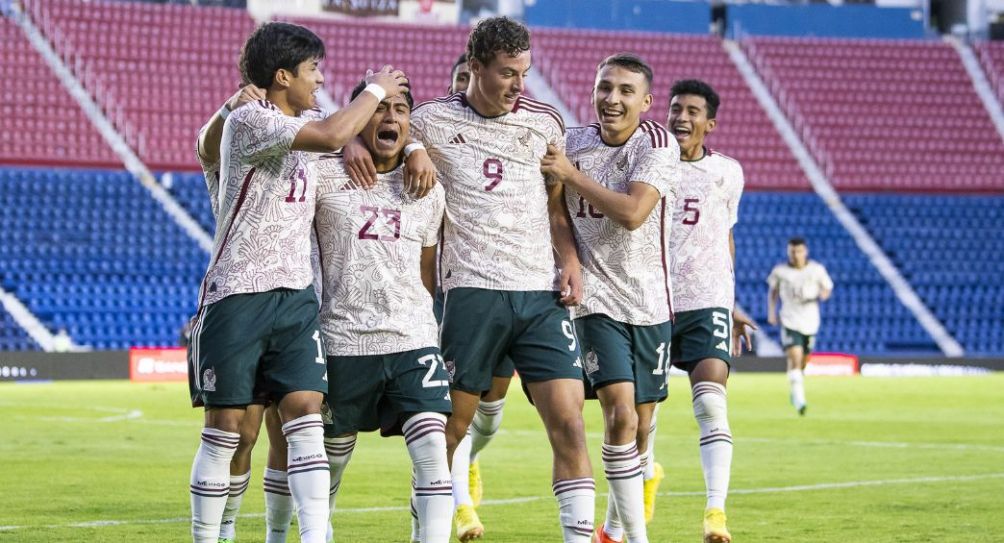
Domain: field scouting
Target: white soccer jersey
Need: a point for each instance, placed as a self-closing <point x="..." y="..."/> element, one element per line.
<point x="799" y="291"/>
<point x="706" y="209"/>
<point x="497" y="228"/>
<point x="211" y="171"/>
<point x="625" y="272"/>
<point x="266" y="206"/>
<point x="373" y="299"/>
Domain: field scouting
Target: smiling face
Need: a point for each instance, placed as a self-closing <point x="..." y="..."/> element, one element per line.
<point x="302" y="84"/>
<point x="496" y="86"/>
<point x="385" y="135"/>
<point x="620" y="96"/>
<point x="689" y="123"/>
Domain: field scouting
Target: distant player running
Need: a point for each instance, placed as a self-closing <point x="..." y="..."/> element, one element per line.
<point x="257" y="309"/>
<point x="385" y="370"/>
<point x="800" y="284"/>
<point x="621" y="177"/>
<point x="278" y="502"/>
<point x="505" y="226"/>
<point x="708" y="328"/>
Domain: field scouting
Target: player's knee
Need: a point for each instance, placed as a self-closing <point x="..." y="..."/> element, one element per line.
<point x="621" y="418"/>
<point x="710" y="402"/>
<point x="249" y="436"/>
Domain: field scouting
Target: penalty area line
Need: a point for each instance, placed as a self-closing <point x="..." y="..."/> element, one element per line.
<point x="529" y="499"/>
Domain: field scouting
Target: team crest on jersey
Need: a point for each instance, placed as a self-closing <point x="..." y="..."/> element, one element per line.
<point x="524" y="140"/>
<point x="326" y="414"/>
<point x="209" y="380"/>
<point x="622" y="163"/>
<point x="592" y="362"/>
<point x="451" y="368"/>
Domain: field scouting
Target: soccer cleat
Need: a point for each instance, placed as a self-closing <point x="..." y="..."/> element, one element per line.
<point x="468" y="524"/>
<point x="474" y="483"/>
<point x="601" y="537"/>
<point x="651" y="487"/>
<point x="714" y="527"/>
<point x="801" y="410"/>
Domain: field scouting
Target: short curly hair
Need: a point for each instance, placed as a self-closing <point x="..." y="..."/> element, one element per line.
<point x="496" y="34"/>
<point x="699" y="88"/>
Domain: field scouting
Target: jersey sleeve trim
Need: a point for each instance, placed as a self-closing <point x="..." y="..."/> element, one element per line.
<point x="658" y="136"/>
<point x="534" y="106"/>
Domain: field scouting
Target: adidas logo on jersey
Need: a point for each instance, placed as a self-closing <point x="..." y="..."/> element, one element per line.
<point x="459" y="138"/>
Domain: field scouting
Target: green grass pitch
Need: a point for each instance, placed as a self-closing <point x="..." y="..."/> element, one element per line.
<point x="875" y="460"/>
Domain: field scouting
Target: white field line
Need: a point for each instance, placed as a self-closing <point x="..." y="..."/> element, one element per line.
<point x="528" y="499"/>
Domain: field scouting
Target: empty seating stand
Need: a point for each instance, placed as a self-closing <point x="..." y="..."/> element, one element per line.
<point x="991" y="54"/>
<point x="12" y="336"/>
<point x="568" y="59"/>
<point x="883" y="114"/>
<point x="863" y="316"/>
<point x="92" y="252"/>
<point x="40" y="123"/>
<point x="158" y="71"/>
<point x="949" y="248"/>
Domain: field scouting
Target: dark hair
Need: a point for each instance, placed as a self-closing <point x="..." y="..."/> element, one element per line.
<point x="275" y="46"/>
<point x="362" y="85"/>
<point x="630" y="62"/>
<point x="461" y="60"/>
<point x="796" y="241"/>
<point x="699" y="88"/>
<point x="496" y="34"/>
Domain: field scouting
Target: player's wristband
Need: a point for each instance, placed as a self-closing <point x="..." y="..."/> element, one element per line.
<point x="224" y="111"/>
<point x="412" y="147"/>
<point x="376" y="90"/>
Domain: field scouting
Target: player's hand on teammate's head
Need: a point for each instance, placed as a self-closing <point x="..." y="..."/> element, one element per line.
<point x="419" y="173"/>
<point x="394" y="82"/>
<point x="742" y="331"/>
<point x="570" y="285"/>
<point x="246" y="94"/>
<point x="359" y="163"/>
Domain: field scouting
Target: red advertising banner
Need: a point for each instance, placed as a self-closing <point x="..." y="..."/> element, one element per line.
<point x="150" y="365"/>
<point x="832" y="364"/>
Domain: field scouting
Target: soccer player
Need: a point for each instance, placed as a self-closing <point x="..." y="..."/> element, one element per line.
<point x="708" y="329"/>
<point x="801" y="284"/>
<point x="468" y="491"/>
<point x="257" y="309"/>
<point x="504" y="293"/>
<point x="460" y="75"/>
<point x="623" y="181"/>
<point x="385" y="370"/>
<point x="278" y="502"/>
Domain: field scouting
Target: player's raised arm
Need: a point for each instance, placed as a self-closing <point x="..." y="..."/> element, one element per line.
<point x="208" y="146"/>
<point x="340" y="127"/>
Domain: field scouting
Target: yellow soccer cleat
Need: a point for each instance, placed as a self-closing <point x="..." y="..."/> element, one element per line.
<point x="468" y="524"/>
<point x="651" y="488"/>
<point x="474" y="483"/>
<point x="599" y="536"/>
<point x="714" y="527"/>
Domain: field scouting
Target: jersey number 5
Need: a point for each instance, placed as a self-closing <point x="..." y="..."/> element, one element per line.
<point x="690" y="206"/>
<point x="492" y="168"/>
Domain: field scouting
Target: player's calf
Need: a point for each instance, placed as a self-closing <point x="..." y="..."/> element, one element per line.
<point x="425" y="436"/>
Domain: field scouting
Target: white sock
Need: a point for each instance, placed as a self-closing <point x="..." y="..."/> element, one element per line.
<point x="416" y="534"/>
<point x="339" y="451"/>
<point x="238" y="484"/>
<point x="711" y="412"/>
<point x="623" y="470"/>
<point x="487" y="420"/>
<point x="425" y="435"/>
<point x="648" y="457"/>
<point x="278" y="506"/>
<point x="612" y="524"/>
<point x="308" y="474"/>
<point x="210" y="483"/>
<point x="797" y="380"/>
<point x="459" y="471"/>
<point x="576" y="504"/>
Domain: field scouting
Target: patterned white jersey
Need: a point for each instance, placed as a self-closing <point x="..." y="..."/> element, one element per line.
<point x="211" y="171"/>
<point x="373" y="300"/>
<point x="625" y="272"/>
<point x="266" y="206"/>
<point x="799" y="291"/>
<point x="497" y="228"/>
<point x="706" y="209"/>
